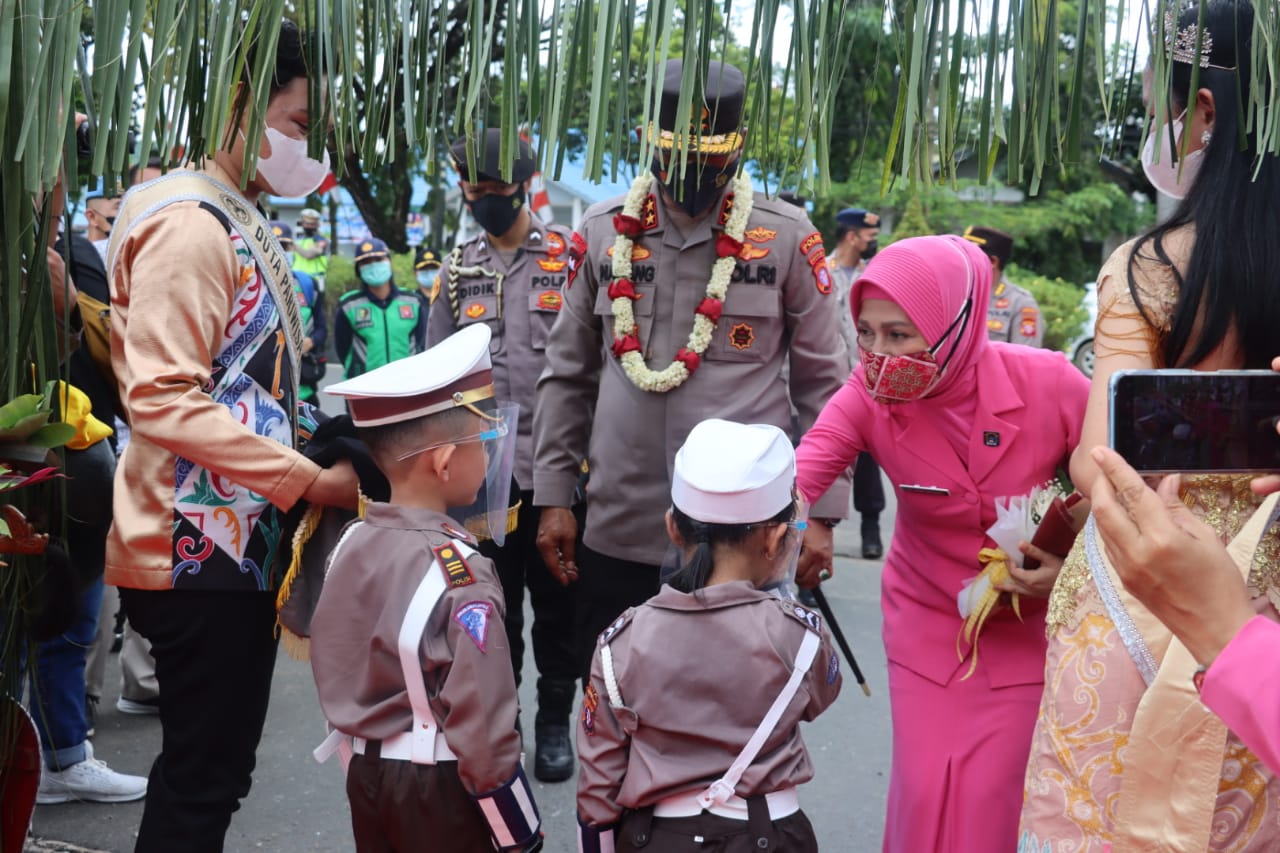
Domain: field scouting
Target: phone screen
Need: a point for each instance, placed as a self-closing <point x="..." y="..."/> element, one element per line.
<point x="1165" y="421"/>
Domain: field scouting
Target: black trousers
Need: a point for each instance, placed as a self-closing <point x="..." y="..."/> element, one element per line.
<point x="520" y="565"/>
<point x="400" y="807"/>
<point x="215" y="653"/>
<point x="708" y="833"/>
<point x="868" y="488"/>
<point x="606" y="587"/>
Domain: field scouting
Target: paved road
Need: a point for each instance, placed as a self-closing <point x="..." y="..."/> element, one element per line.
<point x="298" y="806"/>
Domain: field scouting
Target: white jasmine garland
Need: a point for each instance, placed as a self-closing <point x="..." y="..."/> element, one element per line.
<point x="624" y="321"/>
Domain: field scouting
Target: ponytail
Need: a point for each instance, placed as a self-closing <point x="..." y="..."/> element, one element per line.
<point x="696" y="571"/>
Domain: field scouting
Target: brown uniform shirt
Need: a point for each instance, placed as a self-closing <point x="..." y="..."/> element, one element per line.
<point x="697" y="673"/>
<point x="1013" y="315"/>
<point x="519" y="301"/>
<point x="779" y="306"/>
<point x="371" y="577"/>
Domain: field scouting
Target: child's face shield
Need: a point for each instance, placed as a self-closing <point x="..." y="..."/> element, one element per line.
<point x="782" y="580"/>
<point x="487" y="515"/>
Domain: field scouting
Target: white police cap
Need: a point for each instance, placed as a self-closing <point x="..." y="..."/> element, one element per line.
<point x="454" y="372"/>
<point x="728" y="473"/>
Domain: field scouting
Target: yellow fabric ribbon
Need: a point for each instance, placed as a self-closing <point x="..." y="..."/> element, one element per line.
<point x="995" y="564"/>
<point x="76" y="411"/>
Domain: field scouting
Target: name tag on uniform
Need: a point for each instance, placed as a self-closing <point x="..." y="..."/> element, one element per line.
<point x="924" y="490"/>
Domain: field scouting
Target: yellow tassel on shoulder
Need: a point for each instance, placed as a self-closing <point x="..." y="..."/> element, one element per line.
<point x="995" y="571"/>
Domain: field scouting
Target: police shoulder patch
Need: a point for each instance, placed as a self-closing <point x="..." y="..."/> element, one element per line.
<point x="612" y="631"/>
<point x="474" y="619"/>
<point x="455" y="567"/>
<point x="590" y="704"/>
<point x="811" y="620"/>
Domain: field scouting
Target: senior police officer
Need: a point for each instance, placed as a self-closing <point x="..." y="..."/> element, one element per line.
<point x="1012" y="314"/>
<point x="677" y="310"/>
<point x="379" y="323"/>
<point x="311" y="248"/>
<point x="510" y="278"/>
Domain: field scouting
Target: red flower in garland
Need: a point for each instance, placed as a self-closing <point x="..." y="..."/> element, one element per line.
<point x="690" y="358"/>
<point x="628" y="226"/>
<point x="727" y="247"/>
<point x="626" y="344"/>
<point x="710" y="308"/>
<point x="623" y="288"/>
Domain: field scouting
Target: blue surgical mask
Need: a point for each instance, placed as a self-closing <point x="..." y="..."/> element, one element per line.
<point x="427" y="278"/>
<point x="376" y="274"/>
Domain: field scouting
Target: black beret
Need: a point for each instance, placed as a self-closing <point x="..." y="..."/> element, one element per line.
<point x="856" y="217"/>
<point x="488" y="148"/>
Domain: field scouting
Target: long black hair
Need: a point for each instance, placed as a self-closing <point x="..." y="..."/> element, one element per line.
<point x="696" y="571"/>
<point x="1232" y="279"/>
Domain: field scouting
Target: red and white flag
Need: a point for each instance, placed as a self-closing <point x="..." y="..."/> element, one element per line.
<point x="539" y="200"/>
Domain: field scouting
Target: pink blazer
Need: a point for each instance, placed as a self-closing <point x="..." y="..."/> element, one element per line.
<point x="1027" y="421"/>
<point x="1242" y="689"/>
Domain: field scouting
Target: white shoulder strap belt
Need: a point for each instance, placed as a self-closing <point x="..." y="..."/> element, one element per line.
<point x="722" y="789"/>
<point x="424" y="743"/>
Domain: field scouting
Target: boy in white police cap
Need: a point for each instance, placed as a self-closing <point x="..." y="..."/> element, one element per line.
<point x="407" y="646"/>
<point x="656" y="726"/>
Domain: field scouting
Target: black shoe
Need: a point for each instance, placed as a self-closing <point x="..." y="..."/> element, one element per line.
<point x="553" y="753"/>
<point x="91" y="714"/>
<point x="871" y="547"/>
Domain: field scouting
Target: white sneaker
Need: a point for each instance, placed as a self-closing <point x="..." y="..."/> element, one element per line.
<point x="90" y="780"/>
<point x="138" y="706"/>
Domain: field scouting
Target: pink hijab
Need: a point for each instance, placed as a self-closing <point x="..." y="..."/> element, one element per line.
<point x="931" y="278"/>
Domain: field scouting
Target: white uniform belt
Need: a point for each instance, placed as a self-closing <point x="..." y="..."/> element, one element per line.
<point x="400" y="748"/>
<point x="781" y="803"/>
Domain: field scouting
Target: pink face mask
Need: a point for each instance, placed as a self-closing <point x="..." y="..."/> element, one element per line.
<point x="899" y="378"/>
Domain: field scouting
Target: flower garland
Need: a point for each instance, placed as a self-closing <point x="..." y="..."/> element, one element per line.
<point x="622" y="291"/>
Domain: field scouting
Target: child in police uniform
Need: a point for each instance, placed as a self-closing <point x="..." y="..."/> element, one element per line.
<point x="660" y="729"/>
<point x="410" y="670"/>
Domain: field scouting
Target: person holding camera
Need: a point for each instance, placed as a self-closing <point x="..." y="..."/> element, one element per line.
<point x="1124" y="752"/>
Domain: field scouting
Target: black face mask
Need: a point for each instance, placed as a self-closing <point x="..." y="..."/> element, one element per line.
<point x="497" y="213"/>
<point x="310" y="232"/>
<point x="699" y="189"/>
<point x="870" y="252"/>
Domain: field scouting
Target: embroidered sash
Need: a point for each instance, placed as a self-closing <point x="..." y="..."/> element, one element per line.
<point x="1173" y="762"/>
<point x="185" y="185"/>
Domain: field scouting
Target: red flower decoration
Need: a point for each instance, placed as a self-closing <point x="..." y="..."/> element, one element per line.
<point x="623" y="288"/>
<point x="690" y="358"/>
<point x="710" y="308"/>
<point x="628" y="226"/>
<point x="727" y="247"/>
<point x="625" y="344"/>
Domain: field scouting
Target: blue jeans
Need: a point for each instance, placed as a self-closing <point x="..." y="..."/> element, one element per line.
<point x="57" y="688"/>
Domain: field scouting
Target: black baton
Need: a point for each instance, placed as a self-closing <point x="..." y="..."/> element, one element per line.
<point x="825" y="606"/>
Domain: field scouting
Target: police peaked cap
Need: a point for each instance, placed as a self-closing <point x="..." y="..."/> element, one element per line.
<point x="426" y="259"/>
<point x="488" y="159"/>
<point x="995" y="243"/>
<point x="282" y="231"/>
<point x="856" y="217"/>
<point x="371" y="249"/>
<point x="716" y="124"/>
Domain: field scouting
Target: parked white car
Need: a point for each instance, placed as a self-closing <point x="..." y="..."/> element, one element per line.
<point x="1080" y="349"/>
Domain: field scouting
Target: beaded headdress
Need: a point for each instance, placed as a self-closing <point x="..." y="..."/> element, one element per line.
<point x="1182" y="44"/>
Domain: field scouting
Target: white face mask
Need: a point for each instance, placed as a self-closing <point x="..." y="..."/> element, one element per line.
<point x="288" y="169"/>
<point x="1173" y="175"/>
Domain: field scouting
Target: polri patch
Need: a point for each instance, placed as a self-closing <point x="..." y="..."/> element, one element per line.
<point x="1029" y="322"/>
<point x="808" y="243"/>
<point x="590" y="702"/>
<point x="474" y="619"/>
<point x="454" y="565"/>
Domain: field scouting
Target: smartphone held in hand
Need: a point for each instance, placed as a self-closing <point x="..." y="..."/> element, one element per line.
<point x="1191" y="421"/>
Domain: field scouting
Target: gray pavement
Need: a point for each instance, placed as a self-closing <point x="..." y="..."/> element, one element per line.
<point x="299" y="806"/>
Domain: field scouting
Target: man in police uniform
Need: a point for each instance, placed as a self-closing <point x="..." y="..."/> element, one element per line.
<point x="857" y="234"/>
<point x="379" y="323"/>
<point x="778" y="307"/>
<point x="311" y="310"/>
<point x="426" y="270"/>
<point x="1012" y="315"/>
<point x="510" y="279"/>
<point x="312" y="249"/>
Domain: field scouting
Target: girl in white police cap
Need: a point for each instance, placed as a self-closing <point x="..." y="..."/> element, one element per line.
<point x="704" y="752"/>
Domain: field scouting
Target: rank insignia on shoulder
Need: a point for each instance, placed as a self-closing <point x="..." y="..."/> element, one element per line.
<point x="726" y="208"/>
<point x="808" y="243"/>
<point x="760" y="234"/>
<point x="456" y="533"/>
<point x="474" y="619"/>
<point x="649" y="213"/>
<point x="811" y="620"/>
<point x="608" y="633"/>
<point x="590" y="702"/>
<point x="454" y="564"/>
<point x="555" y="244"/>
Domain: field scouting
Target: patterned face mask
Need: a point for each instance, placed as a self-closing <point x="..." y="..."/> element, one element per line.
<point x="899" y="378"/>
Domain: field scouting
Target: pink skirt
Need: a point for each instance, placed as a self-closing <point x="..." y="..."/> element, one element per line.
<point x="959" y="763"/>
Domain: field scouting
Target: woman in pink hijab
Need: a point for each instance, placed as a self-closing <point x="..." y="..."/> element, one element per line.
<point x="955" y="422"/>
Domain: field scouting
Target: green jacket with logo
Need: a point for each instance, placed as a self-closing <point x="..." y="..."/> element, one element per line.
<point x="369" y="332"/>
